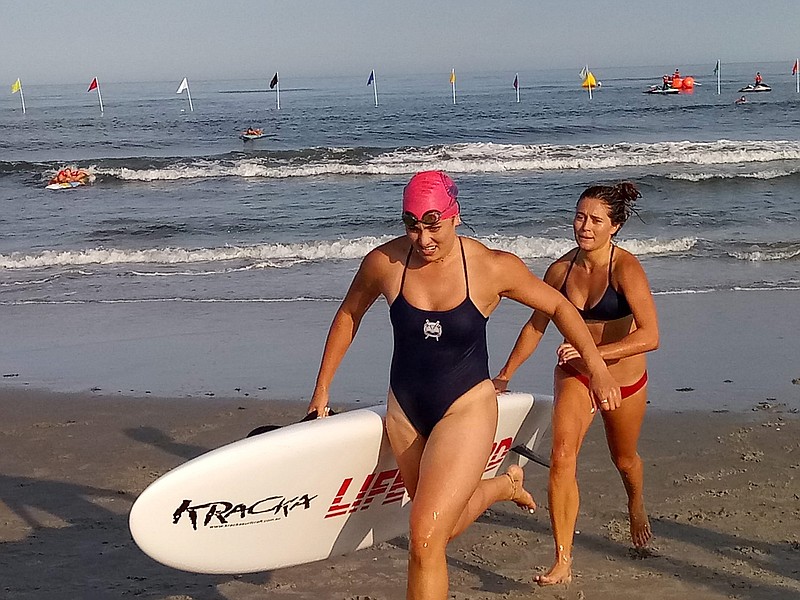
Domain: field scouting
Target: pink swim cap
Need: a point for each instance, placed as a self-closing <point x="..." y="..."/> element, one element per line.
<point x="431" y="190"/>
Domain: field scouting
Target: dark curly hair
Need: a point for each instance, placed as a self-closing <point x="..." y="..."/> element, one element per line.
<point x="619" y="199"/>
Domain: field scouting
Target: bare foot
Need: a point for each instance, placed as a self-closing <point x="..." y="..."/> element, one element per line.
<point x="561" y="572"/>
<point x="640" y="526"/>
<point x="519" y="495"/>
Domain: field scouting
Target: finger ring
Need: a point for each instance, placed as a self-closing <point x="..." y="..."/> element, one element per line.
<point x="604" y="402"/>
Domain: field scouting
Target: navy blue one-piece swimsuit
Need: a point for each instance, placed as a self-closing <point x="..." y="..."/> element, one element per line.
<point x="438" y="355"/>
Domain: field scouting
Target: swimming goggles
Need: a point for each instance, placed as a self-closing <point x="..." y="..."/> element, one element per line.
<point x="430" y="217"/>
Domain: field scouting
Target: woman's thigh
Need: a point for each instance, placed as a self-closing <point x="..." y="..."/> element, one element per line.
<point x="406" y="442"/>
<point x="573" y="412"/>
<point x="624" y="424"/>
<point x="454" y="460"/>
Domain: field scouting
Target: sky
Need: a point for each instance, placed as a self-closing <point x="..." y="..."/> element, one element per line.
<point x="71" y="41"/>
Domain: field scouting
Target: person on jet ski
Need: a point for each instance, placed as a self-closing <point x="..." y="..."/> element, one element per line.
<point x="758" y="79"/>
<point x="666" y="82"/>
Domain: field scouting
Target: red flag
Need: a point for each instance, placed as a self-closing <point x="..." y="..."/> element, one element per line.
<point x="93" y="85"/>
<point x="794" y="67"/>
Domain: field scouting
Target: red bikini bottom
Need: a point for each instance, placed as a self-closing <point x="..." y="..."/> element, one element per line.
<point x="625" y="390"/>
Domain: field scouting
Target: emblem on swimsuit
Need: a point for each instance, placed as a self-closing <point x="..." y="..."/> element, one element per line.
<point x="432" y="329"/>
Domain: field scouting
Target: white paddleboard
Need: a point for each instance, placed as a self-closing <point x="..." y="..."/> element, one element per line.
<point x="300" y="493"/>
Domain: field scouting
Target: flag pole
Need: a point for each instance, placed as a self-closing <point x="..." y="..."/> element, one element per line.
<point x="189" y="95"/>
<point x="589" y="81"/>
<point x="99" y="97"/>
<point x="277" y="91"/>
<point x="516" y="78"/>
<point x="719" y="68"/>
<point x="453" y="83"/>
<point x="22" y="97"/>
<point x="375" y="87"/>
<point x="797" y="74"/>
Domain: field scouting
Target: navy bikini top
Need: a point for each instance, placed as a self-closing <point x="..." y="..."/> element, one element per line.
<point x="612" y="305"/>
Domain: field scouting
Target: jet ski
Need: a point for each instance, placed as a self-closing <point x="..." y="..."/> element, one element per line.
<point x="761" y="87"/>
<point x="251" y="134"/>
<point x="657" y="89"/>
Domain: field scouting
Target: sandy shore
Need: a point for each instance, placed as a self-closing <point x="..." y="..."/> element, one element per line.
<point x="723" y="492"/>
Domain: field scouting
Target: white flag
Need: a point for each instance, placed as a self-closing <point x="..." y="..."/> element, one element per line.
<point x="183" y="86"/>
<point x="584" y="72"/>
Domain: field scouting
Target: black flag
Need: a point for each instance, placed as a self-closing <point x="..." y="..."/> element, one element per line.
<point x="274" y="81"/>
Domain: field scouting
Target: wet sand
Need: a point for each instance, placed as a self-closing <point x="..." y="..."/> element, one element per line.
<point x="722" y="490"/>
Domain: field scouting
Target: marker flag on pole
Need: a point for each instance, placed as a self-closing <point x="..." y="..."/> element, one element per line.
<point x="716" y="68"/>
<point x="453" y="76"/>
<point x="17" y="87"/>
<point x="587" y="80"/>
<point x="516" y="82"/>
<point x="184" y="86"/>
<point x="372" y="81"/>
<point x="274" y="81"/>
<point x="794" y="68"/>
<point x="96" y="86"/>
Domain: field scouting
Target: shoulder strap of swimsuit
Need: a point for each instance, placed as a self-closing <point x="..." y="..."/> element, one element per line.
<point x="464" y="260"/>
<point x="610" y="264"/>
<point x="405" y="268"/>
<point x="563" y="288"/>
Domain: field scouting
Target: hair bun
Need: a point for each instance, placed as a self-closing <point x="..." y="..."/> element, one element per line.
<point x="627" y="191"/>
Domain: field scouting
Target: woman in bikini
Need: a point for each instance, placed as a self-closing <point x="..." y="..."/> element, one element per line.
<point x="611" y="292"/>
<point x="441" y="289"/>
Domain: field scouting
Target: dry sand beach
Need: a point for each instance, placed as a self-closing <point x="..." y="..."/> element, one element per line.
<point x="723" y="490"/>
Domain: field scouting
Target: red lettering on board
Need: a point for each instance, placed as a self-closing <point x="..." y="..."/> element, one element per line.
<point x="386" y="483"/>
<point x="498" y="453"/>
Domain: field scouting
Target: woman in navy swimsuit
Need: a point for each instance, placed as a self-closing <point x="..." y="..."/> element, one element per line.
<point x="442" y="410"/>
<point x="610" y="290"/>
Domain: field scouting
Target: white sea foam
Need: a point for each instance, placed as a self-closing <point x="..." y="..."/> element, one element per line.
<point x="764" y="175"/>
<point x="758" y="255"/>
<point x="174" y="299"/>
<point x="488" y="158"/>
<point x="31" y="282"/>
<point x="655" y="246"/>
<point x="285" y="255"/>
<point x="301" y="299"/>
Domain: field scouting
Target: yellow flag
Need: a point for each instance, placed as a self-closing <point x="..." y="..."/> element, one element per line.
<point x="16" y="86"/>
<point x="453" y="76"/>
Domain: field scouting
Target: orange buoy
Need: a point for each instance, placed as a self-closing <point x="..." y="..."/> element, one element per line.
<point x="687" y="83"/>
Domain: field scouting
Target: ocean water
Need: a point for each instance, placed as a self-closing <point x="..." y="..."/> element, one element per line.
<point x="183" y="212"/>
